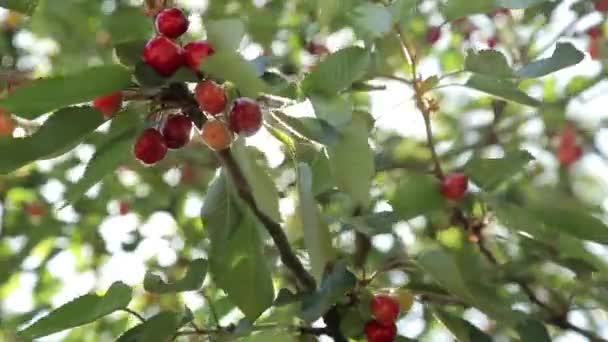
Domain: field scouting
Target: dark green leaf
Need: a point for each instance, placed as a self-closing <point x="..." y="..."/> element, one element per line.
<point x="337" y="71"/>
<point x="230" y="66"/>
<point x="488" y="62"/>
<point x="462" y="330"/>
<point x="47" y="94"/>
<point x="80" y="311"/>
<point x="489" y="174"/>
<point x="565" y="55"/>
<point x="416" y="195"/>
<point x="129" y="53"/>
<point x="572" y="221"/>
<point x="192" y="281"/>
<point x="455" y="9"/>
<point x="317" y="238"/>
<point x="533" y="331"/>
<point x="371" y="21"/>
<point x="23" y="6"/>
<point x="225" y="34"/>
<point x="63" y="130"/>
<point x="336" y="110"/>
<point x="161" y="327"/>
<point x="501" y="88"/>
<point x="334" y="286"/>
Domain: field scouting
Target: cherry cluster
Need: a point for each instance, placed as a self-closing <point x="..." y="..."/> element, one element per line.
<point x="165" y="56"/>
<point x="385" y="310"/>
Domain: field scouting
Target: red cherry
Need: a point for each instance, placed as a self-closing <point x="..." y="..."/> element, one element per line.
<point x="569" y="155"/>
<point x="211" y="97"/>
<point x="150" y="147"/>
<point x="601" y="5"/>
<point x="568" y="136"/>
<point x="317" y="49"/>
<point x="385" y="309"/>
<point x="163" y="55"/>
<point x="595" y="32"/>
<point x="171" y="23"/>
<point x="34" y="209"/>
<point x="7" y="126"/>
<point x="176" y="131"/>
<point x="109" y="104"/>
<point x="492" y="41"/>
<point x="194" y="52"/>
<point x="595" y="46"/>
<point x="124" y="208"/>
<point x="376" y="332"/>
<point x="245" y="117"/>
<point x="433" y="34"/>
<point x="454" y="186"/>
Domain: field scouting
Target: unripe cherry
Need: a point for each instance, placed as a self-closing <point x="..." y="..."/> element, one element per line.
<point x="176" y="131"/>
<point x="454" y="186"/>
<point x="245" y="117"/>
<point x="216" y="135"/>
<point x="211" y="97"/>
<point x="195" y="52"/>
<point x="109" y="104"/>
<point x="171" y="23"/>
<point x="150" y="147"/>
<point x="163" y="55"/>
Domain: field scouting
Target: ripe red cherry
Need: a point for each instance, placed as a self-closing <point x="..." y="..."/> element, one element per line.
<point x="176" y="131"/>
<point x="150" y="147"/>
<point x="171" y="23"/>
<point x="163" y="55"/>
<point x="109" y="104"/>
<point x="376" y="332"/>
<point x="245" y="117"/>
<point x="6" y="123"/>
<point x="595" y="46"/>
<point x="433" y="34"/>
<point x="317" y="49"/>
<point x="385" y="309"/>
<point x="34" y="209"/>
<point x="194" y="52"/>
<point x="492" y="41"/>
<point x="454" y="186"/>
<point x="569" y="155"/>
<point x="124" y="208"/>
<point x="601" y="5"/>
<point x="595" y="32"/>
<point x="211" y="97"/>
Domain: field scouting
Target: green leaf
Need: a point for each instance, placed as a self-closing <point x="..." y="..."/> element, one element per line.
<point x="564" y="56"/>
<point x="337" y="71"/>
<point x="488" y="62"/>
<point x="334" y="286"/>
<point x="308" y="128"/>
<point x="533" y="331"/>
<point x="236" y="259"/>
<point x="351" y="161"/>
<point x="129" y="53"/>
<point x="462" y="330"/>
<point x="455" y="9"/>
<point x="573" y="221"/>
<point x="160" y="327"/>
<point x="23" y="6"/>
<point x="61" y="131"/>
<point x="402" y="10"/>
<point x="264" y="190"/>
<point x="192" y="281"/>
<point x="501" y="88"/>
<point x="225" y="34"/>
<point x="47" y="94"/>
<point x="371" y="20"/>
<point x="417" y="194"/>
<point x="336" y="110"/>
<point x="231" y="66"/>
<point x="109" y="155"/>
<point x="489" y="174"/>
<point x="127" y="24"/>
<point x="317" y="238"/>
<point x="80" y="311"/>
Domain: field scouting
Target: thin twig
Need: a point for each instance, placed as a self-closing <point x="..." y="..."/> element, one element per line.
<point x="134" y="314"/>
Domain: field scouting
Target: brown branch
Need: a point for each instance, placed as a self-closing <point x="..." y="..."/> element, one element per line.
<point x="288" y="257"/>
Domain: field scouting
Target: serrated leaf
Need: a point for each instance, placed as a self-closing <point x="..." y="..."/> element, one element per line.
<point x="192" y="280"/>
<point x="334" y="286"/>
<point x="571" y="220"/>
<point x="309" y="128"/>
<point x="417" y="194"/>
<point x="231" y="66"/>
<point x="337" y="71"/>
<point x="501" y="88"/>
<point x="264" y="190"/>
<point x="336" y="110"/>
<point x="129" y="53"/>
<point x="371" y="20"/>
<point x="489" y="174"/>
<point x="462" y="330"/>
<point x="317" y="238"/>
<point x="351" y="161"/>
<point x="564" y="56"/>
<point x="80" y="311"/>
<point x="488" y="62"/>
<point x="23" y="6"/>
<point x="532" y="331"/>
<point x="62" y="130"/>
<point x="160" y="327"/>
<point x="236" y="259"/>
<point x="225" y="34"/>
<point x="109" y="155"/>
<point x="47" y="94"/>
